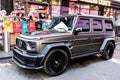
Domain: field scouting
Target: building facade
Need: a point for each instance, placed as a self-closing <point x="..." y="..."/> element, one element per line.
<point x="58" y="7"/>
<point x="6" y="5"/>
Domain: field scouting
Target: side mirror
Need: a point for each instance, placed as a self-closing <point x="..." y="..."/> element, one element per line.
<point x="77" y="30"/>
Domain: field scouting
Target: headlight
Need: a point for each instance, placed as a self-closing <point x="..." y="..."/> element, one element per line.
<point x="31" y="46"/>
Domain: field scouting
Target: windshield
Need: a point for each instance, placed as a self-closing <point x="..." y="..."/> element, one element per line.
<point x="62" y="23"/>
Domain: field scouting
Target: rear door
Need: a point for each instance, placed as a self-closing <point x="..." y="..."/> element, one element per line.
<point x="98" y="33"/>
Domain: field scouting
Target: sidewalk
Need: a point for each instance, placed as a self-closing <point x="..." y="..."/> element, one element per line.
<point x="4" y="55"/>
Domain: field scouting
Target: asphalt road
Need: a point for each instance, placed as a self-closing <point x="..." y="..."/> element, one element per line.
<point x="88" y="68"/>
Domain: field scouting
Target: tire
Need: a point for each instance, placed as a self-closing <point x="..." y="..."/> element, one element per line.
<point x="108" y="51"/>
<point x="55" y="62"/>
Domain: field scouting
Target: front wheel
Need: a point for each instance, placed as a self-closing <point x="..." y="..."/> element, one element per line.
<point x="108" y="51"/>
<point x="55" y="62"/>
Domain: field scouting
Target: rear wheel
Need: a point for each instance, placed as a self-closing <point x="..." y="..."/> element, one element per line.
<point x="108" y="51"/>
<point x="55" y="62"/>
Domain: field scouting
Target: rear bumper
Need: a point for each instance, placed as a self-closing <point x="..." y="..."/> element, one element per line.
<point x="27" y="60"/>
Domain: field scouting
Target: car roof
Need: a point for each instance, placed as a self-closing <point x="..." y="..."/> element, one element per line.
<point x="83" y="15"/>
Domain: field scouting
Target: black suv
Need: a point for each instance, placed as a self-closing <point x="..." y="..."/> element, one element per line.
<point x="68" y="37"/>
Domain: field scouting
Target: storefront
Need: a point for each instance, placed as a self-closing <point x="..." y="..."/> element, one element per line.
<point x="90" y="7"/>
<point x="37" y="8"/>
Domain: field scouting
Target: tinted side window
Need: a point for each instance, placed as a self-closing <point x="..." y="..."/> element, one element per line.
<point x="84" y="24"/>
<point x="108" y="25"/>
<point x="97" y="25"/>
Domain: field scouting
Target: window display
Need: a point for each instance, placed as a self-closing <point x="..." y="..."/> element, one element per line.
<point x="73" y="8"/>
<point x="84" y="8"/>
<point x="55" y="10"/>
<point x="94" y="9"/>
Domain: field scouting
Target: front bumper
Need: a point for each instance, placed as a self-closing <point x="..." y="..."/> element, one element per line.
<point x="27" y="60"/>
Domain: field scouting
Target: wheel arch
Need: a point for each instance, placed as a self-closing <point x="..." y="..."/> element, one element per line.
<point x="112" y="40"/>
<point x="51" y="47"/>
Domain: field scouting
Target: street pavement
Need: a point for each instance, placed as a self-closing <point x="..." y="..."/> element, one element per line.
<point x="88" y="68"/>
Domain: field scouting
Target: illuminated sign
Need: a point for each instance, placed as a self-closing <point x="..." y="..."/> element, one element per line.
<point x="73" y="0"/>
<point x="100" y="2"/>
<point x="38" y="0"/>
<point x="90" y="1"/>
<point x="56" y="2"/>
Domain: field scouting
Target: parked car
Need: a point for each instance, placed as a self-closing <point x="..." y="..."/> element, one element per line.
<point x="68" y="37"/>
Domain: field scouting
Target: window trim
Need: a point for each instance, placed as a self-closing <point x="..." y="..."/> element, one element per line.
<point x="84" y="18"/>
<point x="97" y="30"/>
<point x="109" y="21"/>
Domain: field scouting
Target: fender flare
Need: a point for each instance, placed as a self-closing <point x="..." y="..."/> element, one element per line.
<point x="105" y="42"/>
<point x="48" y="47"/>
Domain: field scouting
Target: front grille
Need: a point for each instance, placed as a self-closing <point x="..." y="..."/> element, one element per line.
<point x="21" y="44"/>
<point x="31" y="62"/>
<point x="18" y="56"/>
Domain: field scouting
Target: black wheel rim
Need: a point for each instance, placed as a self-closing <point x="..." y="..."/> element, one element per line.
<point x="109" y="52"/>
<point x="57" y="63"/>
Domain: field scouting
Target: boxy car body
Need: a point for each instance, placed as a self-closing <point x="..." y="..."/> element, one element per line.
<point x="68" y="37"/>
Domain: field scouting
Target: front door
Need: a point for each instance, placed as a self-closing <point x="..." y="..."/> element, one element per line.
<point x="82" y="41"/>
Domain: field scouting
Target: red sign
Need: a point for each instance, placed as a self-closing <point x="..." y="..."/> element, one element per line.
<point x="19" y="11"/>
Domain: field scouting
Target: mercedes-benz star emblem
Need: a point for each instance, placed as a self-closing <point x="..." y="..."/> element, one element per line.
<point x="20" y="43"/>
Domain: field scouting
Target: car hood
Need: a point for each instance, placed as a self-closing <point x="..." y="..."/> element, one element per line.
<point x="43" y="34"/>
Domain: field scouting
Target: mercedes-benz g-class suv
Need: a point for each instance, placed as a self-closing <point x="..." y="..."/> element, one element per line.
<point x="68" y="37"/>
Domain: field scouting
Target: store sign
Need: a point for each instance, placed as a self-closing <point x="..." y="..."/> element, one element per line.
<point x="73" y="0"/>
<point x="38" y="0"/>
<point x="100" y="2"/>
<point x="56" y="2"/>
<point x="90" y="1"/>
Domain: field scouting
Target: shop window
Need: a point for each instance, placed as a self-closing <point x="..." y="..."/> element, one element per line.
<point x="108" y="25"/>
<point x="97" y="25"/>
<point x="112" y="12"/>
<point x="84" y="9"/>
<point x="109" y="12"/>
<point x="94" y="9"/>
<point x="73" y="8"/>
<point x="84" y="24"/>
<point x="106" y="11"/>
<point x="85" y="6"/>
